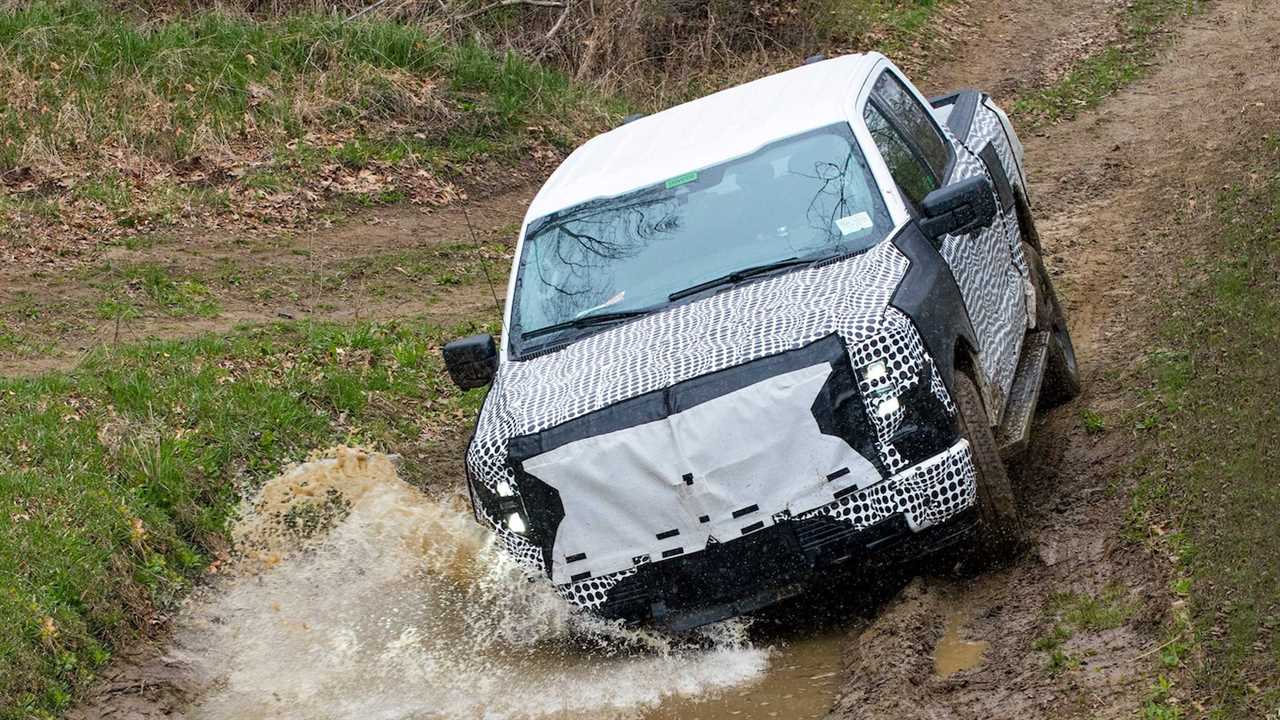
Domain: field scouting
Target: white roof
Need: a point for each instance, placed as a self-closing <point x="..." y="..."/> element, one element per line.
<point x="708" y="131"/>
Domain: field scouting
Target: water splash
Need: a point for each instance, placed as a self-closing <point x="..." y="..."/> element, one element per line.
<point x="358" y="596"/>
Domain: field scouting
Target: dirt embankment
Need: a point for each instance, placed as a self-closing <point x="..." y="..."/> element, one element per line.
<point x="401" y="262"/>
<point x="1071" y="628"/>
<point x="1074" y="627"/>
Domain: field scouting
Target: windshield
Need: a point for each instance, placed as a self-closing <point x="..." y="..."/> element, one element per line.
<point x="807" y="197"/>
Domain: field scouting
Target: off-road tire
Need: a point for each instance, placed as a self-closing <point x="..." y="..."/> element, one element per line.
<point x="1001" y="532"/>
<point x="1061" y="373"/>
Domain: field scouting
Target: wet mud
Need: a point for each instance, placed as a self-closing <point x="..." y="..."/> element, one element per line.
<point x="954" y="652"/>
<point x="387" y="603"/>
<point x="1112" y="190"/>
<point x="354" y="594"/>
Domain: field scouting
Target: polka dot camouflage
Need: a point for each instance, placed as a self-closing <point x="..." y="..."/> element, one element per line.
<point x="591" y="594"/>
<point x="516" y="545"/>
<point x="927" y="494"/>
<point x="849" y="297"/>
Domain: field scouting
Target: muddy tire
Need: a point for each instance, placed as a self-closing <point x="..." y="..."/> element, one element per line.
<point x="1000" y="531"/>
<point x="1062" y="373"/>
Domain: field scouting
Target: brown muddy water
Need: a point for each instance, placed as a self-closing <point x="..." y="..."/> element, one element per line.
<point x="954" y="651"/>
<point x="398" y="606"/>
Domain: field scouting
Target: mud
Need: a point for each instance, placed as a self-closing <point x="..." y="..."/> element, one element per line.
<point x="1113" y="190"/>
<point x="393" y="604"/>
<point x="954" y="652"/>
<point x="338" y="628"/>
<point x="1012" y="46"/>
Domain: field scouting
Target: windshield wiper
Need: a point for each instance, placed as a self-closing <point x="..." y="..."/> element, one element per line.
<point x="587" y="321"/>
<point x="738" y="276"/>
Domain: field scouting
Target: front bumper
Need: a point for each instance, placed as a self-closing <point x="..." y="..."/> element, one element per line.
<point x="916" y="512"/>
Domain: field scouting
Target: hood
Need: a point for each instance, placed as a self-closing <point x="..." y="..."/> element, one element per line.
<point x="730" y="328"/>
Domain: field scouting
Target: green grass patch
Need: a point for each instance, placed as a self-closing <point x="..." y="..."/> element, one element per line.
<point x="117" y="479"/>
<point x="1144" y="26"/>
<point x="177" y="298"/>
<point x="890" y="26"/>
<point x="133" y="290"/>
<point x="1210" y="478"/>
<point x="10" y="340"/>
<point x="1071" y="613"/>
<point x="1093" y="422"/>
<point x="216" y="100"/>
<point x="1093" y="613"/>
<point x="172" y="87"/>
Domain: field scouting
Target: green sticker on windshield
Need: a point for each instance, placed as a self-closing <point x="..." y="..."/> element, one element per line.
<point x="684" y="179"/>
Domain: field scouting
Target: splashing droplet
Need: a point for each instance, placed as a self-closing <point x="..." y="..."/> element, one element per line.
<point x="358" y="596"/>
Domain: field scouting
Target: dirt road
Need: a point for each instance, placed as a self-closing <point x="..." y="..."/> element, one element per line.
<point x="1112" y="189"/>
<point x="1071" y="629"/>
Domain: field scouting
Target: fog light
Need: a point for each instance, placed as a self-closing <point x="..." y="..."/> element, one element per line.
<point x="887" y="407"/>
<point x="875" y="371"/>
<point x="504" y="489"/>
<point x="515" y="523"/>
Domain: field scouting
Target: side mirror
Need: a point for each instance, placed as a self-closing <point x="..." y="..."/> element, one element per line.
<point x="959" y="208"/>
<point x="472" y="362"/>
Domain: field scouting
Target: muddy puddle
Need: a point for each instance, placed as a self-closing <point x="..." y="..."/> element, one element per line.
<point x="955" y="651"/>
<point x="358" y="596"/>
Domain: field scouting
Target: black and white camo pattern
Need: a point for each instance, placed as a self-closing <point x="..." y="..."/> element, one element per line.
<point x="849" y="297"/>
<point x="994" y="289"/>
<point x="926" y="495"/>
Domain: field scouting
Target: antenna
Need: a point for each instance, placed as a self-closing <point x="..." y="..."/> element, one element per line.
<point x="480" y="257"/>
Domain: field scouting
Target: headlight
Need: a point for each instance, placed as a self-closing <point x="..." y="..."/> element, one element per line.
<point x="882" y="399"/>
<point x="888" y="406"/>
<point x="875" y="371"/>
<point x="515" y="523"/>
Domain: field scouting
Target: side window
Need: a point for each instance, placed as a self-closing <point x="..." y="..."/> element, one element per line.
<point x="908" y="170"/>
<point x="914" y="122"/>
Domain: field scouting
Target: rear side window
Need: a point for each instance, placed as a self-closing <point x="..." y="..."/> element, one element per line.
<point x="909" y="171"/>
<point x="913" y="121"/>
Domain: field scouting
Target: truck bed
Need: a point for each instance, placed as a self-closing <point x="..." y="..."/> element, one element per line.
<point x="957" y="110"/>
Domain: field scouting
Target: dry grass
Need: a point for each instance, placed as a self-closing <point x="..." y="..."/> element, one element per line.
<point x="115" y="122"/>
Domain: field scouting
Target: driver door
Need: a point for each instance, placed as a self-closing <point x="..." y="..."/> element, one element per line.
<point x="922" y="157"/>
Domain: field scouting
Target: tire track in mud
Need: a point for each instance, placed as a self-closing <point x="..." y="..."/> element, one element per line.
<point x="1104" y="184"/>
<point x="1109" y="187"/>
<point x="1018" y="45"/>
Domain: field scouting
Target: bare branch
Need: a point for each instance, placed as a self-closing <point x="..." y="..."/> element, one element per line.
<point x="508" y="3"/>
<point x="374" y="6"/>
<point x="559" y="23"/>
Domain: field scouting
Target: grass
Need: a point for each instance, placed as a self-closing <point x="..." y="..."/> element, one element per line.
<point x="186" y="85"/>
<point x="1070" y="614"/>
<point x="1208" y="493"/>
<point x="1159" y="703"/>
<point x="891" y="25"/>
<point x="149" y="118"/>
<point x="1143" y="27"/>
<point x="1093" y="422"/>
<point x="131" y="291"/>
<point x="117" y="479"/>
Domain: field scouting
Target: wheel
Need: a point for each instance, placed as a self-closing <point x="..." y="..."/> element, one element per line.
<point x="1000" y="524"/>
<point x="1061" y="373"/>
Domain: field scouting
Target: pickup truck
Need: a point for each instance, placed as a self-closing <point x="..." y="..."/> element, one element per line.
<point x="783" y="331"/>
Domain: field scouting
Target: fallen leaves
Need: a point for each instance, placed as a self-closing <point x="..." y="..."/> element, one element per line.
<point x="52" y="220"/>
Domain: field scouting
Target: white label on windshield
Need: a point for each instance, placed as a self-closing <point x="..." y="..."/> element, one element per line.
<point x="855" y="223"/>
